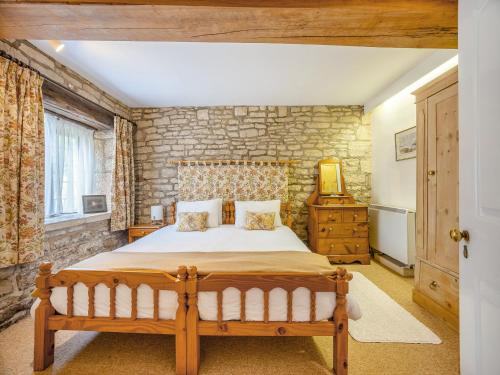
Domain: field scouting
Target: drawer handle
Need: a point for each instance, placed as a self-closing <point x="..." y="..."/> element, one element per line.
<point x="332" y="246"/>
<point x="433" y="285"/>
<point x="354" y="230"/>
<point x="330" y="229"/>
<point x="357" y="246"/>
<point x="355" y="216"/>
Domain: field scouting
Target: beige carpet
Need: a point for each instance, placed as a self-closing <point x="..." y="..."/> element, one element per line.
<point x="384" y="320"/>
<point x="87" y="353"/>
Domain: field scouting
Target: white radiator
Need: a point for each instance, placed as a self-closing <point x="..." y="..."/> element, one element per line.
<point x="392" y="232"/>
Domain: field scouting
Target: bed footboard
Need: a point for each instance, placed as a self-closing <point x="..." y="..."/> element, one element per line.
<point x="47" y="322"/>
<point x="218" y="282"/>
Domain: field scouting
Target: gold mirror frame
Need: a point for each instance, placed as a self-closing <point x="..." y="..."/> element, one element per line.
<point x="330" y="177"/>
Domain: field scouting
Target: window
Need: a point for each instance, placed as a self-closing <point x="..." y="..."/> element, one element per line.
<point x="69" y="165"/>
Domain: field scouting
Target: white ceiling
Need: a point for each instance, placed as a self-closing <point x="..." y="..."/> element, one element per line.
<point x="159" y="74"/>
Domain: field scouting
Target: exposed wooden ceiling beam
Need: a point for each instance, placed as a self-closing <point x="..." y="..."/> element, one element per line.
<point x="382" y="23"/>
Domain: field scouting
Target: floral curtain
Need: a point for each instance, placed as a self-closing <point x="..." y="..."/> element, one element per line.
<point x="251" y="181"/>
<point x="21" y="164"/>
<point x="123" y="196"/>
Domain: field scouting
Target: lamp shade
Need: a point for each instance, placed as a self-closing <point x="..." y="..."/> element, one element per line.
<point x="156" y="213"/>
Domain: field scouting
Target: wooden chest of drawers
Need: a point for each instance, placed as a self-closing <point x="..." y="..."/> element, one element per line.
<point x="141" y="230"/>
<point x="340" y="232"/>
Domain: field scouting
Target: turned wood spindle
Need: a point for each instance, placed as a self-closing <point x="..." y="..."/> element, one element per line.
<point x="91" y="309"/>
<point x="133" y="314"/>
<point x="112" y="301"/>
<point x="243" y="297"/>
<point x="156" y="304"/>
<point x="266" y="306"/>
<point x="313" y="305"/>
<point x="289" y="313"/>
<point x="69" y="298"/>
<point x="219" y="306"/>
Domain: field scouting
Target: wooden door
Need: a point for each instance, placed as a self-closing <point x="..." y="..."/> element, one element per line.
<point x="442" y="177"/>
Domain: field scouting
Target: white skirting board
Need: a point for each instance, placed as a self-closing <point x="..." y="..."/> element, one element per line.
<point x="394" y="265"/>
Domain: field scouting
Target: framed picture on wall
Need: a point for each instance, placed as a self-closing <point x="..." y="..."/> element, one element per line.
<point x="94" y="203"/>
<point x="406" y="144"/>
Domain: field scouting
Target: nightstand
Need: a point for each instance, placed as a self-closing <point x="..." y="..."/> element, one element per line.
<point x="141" y="230"/>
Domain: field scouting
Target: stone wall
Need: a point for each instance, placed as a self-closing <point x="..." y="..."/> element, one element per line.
<point x="307" y="134"/>
<point x="104" y="148"/>
<point x="63" y="247"/>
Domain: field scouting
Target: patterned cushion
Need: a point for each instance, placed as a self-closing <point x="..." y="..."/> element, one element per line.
<point x="192" y="221"/>
<point x="260" y="220"/>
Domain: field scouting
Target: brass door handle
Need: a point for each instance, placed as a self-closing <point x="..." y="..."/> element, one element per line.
<point x="457" y="235"/>
<point x="431" y="173"/>
<point x="433" y="285"/>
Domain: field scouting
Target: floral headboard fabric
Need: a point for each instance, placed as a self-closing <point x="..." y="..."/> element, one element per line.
<point x="252" y="181"/>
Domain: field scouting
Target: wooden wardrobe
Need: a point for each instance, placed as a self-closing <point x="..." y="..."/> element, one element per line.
<point x="436" y="272"/>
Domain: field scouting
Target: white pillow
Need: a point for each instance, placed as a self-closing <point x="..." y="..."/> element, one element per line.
<point x="241" y="208"/>
<point x="213" y="207"/>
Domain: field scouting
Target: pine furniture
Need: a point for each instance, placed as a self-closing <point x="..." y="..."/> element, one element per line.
<point x="186" y="284"/>
<point x="47" y="322"/>
<point x="337" y="225"/>
<point x="436" y="269"/>
<point x="218" y="282"/>
<point x="141" y="230"/>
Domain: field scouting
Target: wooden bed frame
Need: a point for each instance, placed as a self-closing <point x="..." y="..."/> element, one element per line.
<point x="187" y="326"/>
<point x="47" y="322"/>
<point x="218" y="282"/>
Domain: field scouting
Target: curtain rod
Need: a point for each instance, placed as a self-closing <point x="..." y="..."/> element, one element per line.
<point x="24" y="65"/>
<point x="236" y="162"/>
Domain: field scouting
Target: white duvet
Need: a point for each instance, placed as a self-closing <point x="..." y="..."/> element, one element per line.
<point x="222" y="238"/>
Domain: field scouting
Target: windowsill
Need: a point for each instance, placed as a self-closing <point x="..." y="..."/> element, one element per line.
<point x="71" y="220"/>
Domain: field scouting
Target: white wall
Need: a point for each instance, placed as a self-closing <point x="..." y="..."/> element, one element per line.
<point x="394" y="182"/>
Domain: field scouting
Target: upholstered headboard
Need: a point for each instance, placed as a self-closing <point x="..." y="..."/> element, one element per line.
<point x="228" y="213"/>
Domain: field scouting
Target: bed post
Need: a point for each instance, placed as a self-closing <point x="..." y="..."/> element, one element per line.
<point x="44" y="338"/>
<point x="171" y="214"/>
<point x="180" y="335"/>
<point x="193" y="339"/>
<point x="340" y="340"/>
<point x="288" y="213"/>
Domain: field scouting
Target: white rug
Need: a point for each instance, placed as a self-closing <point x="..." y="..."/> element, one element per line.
<point x="384" y="320"/>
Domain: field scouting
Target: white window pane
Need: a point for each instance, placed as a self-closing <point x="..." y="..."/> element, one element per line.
<point x="69" y="165"/>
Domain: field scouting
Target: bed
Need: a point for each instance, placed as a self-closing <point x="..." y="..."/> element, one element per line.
<point x="241" y="283"/>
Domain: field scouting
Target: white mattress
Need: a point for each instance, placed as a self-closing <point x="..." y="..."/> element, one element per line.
<point x="222" y="238"/>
